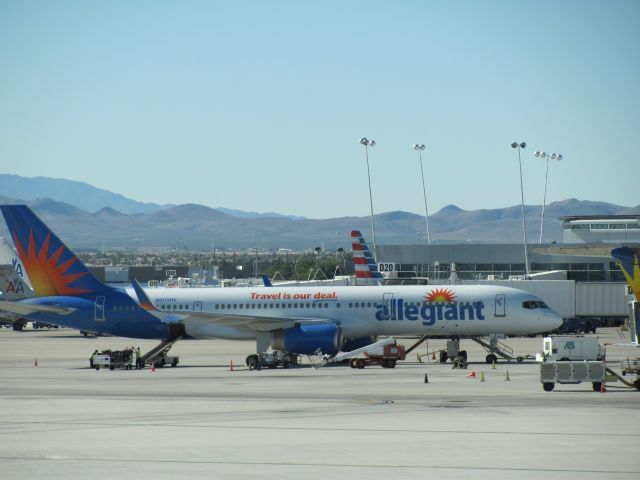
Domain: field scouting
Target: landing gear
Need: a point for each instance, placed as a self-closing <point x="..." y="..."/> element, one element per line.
<point x="491" y="358"/>
<point x="443" y="356"/>
<point x="548" y="386"/>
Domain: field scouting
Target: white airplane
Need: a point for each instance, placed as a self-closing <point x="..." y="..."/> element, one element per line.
<point x="293" y="319"/>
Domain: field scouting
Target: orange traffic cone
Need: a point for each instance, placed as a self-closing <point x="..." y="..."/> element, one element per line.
<point x="231" y="366"/>
<point x="471" y="374"/>
<point x="153" y="367"/>
<point x="35" y="363"/>
<point x="433" y="355"/>
<point x="603" y="389"/>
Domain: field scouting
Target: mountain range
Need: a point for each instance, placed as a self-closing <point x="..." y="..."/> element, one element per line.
<point x="92" y="218"/>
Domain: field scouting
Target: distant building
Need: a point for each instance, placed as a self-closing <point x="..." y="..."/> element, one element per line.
<point x="611" y="229"/>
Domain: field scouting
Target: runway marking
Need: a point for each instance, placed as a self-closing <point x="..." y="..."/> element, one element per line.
<point x="73" y="426"/>
<point x="326" y="465"/>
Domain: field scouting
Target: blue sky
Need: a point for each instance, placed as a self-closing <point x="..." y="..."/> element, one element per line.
<point x="259" y="105"/>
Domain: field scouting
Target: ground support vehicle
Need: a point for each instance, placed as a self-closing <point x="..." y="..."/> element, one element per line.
<point x="386" y="357"/>
<point x="114" y="359"/>
<point x="572" y="373"/>
<point x="273" y="359"/>
<point x="629" y="366"/>
<point x="159" y="356"/>
<point x="571" y="347"/>
<point x="161" y="360"/>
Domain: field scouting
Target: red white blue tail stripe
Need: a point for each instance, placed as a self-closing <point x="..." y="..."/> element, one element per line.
<point x="365" y="264"/>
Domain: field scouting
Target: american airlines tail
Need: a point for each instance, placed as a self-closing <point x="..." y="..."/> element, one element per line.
<point x="14" y="281"/>
<point x="53" y="268"/>
<point x="365" y="265"/>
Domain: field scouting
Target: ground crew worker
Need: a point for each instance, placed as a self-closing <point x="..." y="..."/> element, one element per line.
<point x="91" y="359"/>
<point x="138" y="358"/>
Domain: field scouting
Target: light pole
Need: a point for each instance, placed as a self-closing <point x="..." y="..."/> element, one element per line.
<point x="370" y="143"/>
<point x="552" y="156"/>
<point x="520" y="146"/>
<point x="419" y="149"/>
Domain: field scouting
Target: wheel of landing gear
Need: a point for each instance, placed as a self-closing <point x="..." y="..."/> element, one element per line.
<point x="443" y="356"/>
<point x="491" y="358"/>
<point x="548" y="386"/>
<point x="463" y="354"/>
<point x="597" y="386"/>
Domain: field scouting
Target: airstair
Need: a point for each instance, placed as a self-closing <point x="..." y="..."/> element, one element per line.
<point x="495" y="347"/>
<point x="159" y="353"/>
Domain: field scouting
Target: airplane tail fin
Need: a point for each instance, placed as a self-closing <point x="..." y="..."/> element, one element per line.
<point x="143" y="298"/>
<point x="14" y="281"/>
<point x="628" y="258"/>
<point x="266" y="282"/>
<point x="365" y="264"/>
<point x="52" y="268"/>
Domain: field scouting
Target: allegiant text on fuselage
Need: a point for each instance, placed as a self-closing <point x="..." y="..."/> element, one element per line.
<point x="429" y="313"/>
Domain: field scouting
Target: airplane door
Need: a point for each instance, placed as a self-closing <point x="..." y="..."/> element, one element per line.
<point x="387" y="301"/>
<point x="501" y="305"/>
<point x="197" y="306"/>
<point x="99" y="315"/>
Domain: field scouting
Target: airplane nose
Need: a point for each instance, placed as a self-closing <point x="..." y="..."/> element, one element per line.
<point x="553" y="320"/>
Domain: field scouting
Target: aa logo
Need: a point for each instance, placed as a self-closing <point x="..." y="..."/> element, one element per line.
<point x="17" y="267"/>
<point x="15" y="286"/>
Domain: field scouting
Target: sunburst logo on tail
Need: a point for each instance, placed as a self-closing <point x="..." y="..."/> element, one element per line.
<point x="48" y="277"/>
<point x="441" y="295"/>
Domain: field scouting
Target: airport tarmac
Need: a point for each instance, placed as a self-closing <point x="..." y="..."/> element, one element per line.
<point x="203" y="420"/>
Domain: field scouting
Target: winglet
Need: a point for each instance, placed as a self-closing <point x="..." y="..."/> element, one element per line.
<point x="143" y="298"/>
<point x="365" y="264"/>
<point x="628" y="258"/>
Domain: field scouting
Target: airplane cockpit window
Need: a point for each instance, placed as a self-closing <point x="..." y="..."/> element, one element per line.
<point x="531" y="304"/>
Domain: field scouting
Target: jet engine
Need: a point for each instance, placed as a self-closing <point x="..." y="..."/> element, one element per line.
<point x="307" y="339"/>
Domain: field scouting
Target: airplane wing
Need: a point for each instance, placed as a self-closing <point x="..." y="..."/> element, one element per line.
<point x="28" y="308"/>
<point x="252" y="323"/>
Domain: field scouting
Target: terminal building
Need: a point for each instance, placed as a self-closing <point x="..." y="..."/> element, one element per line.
<point x="584" y="254"/>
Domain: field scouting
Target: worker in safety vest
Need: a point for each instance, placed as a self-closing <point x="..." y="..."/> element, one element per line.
<point x="91" y="358"/>
<point x="138" y="358"/>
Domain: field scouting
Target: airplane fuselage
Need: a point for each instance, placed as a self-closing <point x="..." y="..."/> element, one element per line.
<point x="458" y="310"/>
